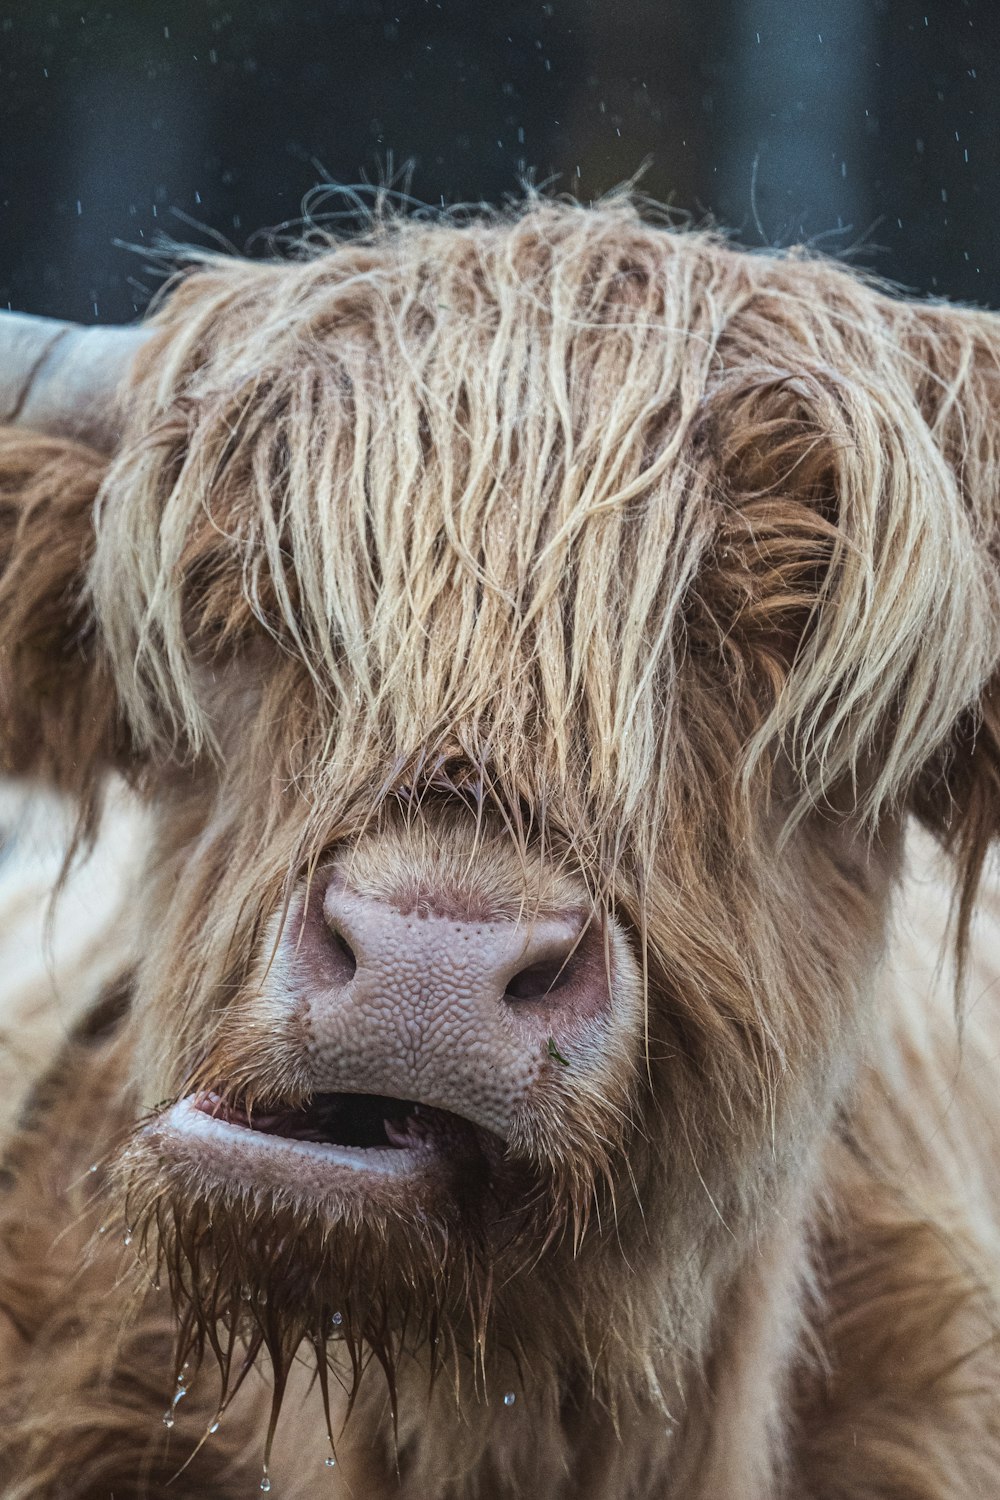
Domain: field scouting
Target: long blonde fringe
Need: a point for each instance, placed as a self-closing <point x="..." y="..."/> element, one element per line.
<point x="473" y="479"/>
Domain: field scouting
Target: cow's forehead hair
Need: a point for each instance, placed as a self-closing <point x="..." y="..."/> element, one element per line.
<point x="484" y="483"/>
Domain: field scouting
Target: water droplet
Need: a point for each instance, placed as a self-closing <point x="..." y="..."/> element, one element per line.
<point x="168" y="1419"/>
<point x="214" y="1427"/>
<point x="92" y="1168"/>
<point x="509" y="1399"/>
<point x="180" y="1395"/>
<point x="337" y="1319"/>
<point x="245" y="1293"/>
<point x="265" y="1484"/>
<point x="330" y="1463"/>
<point x="127" y="1238"/>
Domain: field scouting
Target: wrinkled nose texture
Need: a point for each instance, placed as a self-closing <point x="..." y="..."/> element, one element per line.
<point x="460" y="1014"/>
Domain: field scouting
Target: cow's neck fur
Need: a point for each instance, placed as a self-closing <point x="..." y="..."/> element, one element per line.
<point x="725" y="1435"/>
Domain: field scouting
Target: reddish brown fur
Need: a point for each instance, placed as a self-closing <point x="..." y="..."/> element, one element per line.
<point x="704" y="546"/>
<point x="64" y="724"/>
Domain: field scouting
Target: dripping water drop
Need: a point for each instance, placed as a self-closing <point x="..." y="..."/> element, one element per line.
<point x="330" y="1463"/>
<point x="168" y="1419"/>
<point x="265" y="1484"/>
<point x="337" y="1319"/>
<point x="509" y="1399"/>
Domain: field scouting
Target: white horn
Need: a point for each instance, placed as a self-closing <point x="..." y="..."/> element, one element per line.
<point x="64" y="379"/>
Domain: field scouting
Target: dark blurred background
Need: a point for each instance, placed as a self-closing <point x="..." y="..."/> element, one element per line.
<point x="868" y="127"/>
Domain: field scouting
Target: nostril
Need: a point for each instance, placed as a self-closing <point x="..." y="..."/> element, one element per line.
<point x="538" y="980"/>
<point x="347" y="961"/>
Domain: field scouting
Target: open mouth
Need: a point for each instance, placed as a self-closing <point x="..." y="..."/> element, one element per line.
<point x="333" y="1147"/>
<point x="363" y="1122"/>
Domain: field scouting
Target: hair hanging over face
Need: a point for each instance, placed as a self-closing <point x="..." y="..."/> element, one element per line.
<point x="646" y="501"/>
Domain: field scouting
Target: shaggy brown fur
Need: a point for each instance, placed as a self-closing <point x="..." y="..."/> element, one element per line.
<point x="554" y="546"/>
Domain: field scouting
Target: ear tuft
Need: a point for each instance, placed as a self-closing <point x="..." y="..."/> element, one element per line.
<point x="952" y="355"/>
<point x="59" y="718"/>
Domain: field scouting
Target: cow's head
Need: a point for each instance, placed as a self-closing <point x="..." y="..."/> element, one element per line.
<point x="531" y="634"/>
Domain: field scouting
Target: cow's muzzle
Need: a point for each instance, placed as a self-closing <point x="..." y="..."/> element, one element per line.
<point x="427" y="1033"/>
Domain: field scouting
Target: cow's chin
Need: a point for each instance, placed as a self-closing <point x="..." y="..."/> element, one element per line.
<point x="285" y="1244"/>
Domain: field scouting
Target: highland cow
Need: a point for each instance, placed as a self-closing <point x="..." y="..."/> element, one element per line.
<point x="540" y="651"/>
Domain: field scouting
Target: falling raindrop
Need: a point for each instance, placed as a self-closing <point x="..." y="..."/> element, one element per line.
<point x="509" y="1399"/>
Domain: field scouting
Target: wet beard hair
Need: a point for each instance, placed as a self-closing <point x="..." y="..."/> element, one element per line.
<point x="252" y="1272"/>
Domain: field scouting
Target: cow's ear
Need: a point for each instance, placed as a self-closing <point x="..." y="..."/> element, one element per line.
<point x="857" y="582"/>
<point x="953" y="357"/>
<point x="59" y="717"/>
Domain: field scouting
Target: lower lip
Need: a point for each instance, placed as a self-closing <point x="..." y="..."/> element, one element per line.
<point x="255" y="1159"/>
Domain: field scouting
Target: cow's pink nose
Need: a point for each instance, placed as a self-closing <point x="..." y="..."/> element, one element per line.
<point x="462" y="1014"/>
